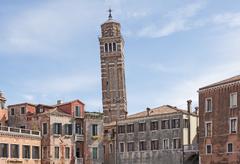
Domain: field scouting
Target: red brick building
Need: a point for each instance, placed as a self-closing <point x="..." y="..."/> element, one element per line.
<point x="219" y="118"/>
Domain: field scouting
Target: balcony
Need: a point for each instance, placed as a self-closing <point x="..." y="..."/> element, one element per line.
<point x="79" y="161"/>
<point x="79" y="137"/>
<point x="190" y="148"/>
<point x="18" y="131"/>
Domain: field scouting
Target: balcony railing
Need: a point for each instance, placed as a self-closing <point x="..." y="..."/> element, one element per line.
<point x="190" y="148"/>
<point x="79" y="137"/>
<point x="79" y="161"/>
<point x="13" y="130"/>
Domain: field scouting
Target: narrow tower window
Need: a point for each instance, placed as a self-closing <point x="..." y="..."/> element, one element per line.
<point x="110" y="47"/>
<point x="106" y="47"/>
<point x="114" y="46"/>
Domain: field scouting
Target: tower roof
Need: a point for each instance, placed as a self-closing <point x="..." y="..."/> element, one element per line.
<point x="110" y="20"/>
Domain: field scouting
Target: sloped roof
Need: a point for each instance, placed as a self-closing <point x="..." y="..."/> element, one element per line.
<point x="26" y="103"/>
<point x="56" y="105"/>
<point x="165" y="109"/>
<point x="229" y="80"/>
<point x="56" y="112"/>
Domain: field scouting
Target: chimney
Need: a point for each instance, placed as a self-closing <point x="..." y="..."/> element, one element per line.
<point x="189" y="106"/>
<point x="148" y="111"/>
<point x="59" y="102"/>
<point x="196" y="110"/>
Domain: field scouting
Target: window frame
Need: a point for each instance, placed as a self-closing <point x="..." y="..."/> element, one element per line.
<point x="230" y="125"/>
<point x="23" y="153"/>
<point x="21" y="108"/>
<point x="33" y="155"/>
<point x="131" y="129"/>
<point x="153" y="147"/>
<point x="231" y="101"/>
<point x="94" y="130"/>
<point x="11" y="151"/>
<point x="153" y="127"/>
<point x="169" y="124"/>
<point x="56" y="156"/>
<point x="121" y="143"/>
<point x="12" y="111"/>
<point x="142" y="145"/>
<point x="8" y="154"/>
<point x="206" y="104"/>
<point x="228" y="147"/>
<point x="206" y="149"/>
<point x="95" y="157"/>
<point x="174" y="120"/>
<point x="168" y="146"/>
<point x="207" y="122"/>
<point x="44" y="123"/>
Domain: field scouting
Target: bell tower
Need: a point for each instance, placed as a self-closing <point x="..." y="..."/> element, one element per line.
<point x="112" y="71"/>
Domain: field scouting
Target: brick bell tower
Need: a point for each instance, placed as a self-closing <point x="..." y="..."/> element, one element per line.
<point x="112" y="71"/>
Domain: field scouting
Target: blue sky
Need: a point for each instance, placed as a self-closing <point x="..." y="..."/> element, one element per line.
<point x="49" y="49"/>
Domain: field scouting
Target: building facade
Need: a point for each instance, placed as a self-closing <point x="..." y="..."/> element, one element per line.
<point x="156" y="136"/>
<point x="114" y="98"/>
<point x="62" y="127"/>
<point x="93" y="122"/>
<point x="219" y="119"/>
<point x="19" y="146"/>
<point x="3" y="110"/>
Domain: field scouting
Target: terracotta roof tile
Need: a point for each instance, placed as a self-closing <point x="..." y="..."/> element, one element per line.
<point x="229" y="80"/>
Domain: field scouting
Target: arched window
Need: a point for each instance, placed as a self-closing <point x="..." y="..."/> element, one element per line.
<point x="106" y="47"/>
<point x="114" y="46"/>
<point x="110" y="47"/>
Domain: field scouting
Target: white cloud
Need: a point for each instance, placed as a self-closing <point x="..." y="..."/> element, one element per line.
<point x="47" y="27"/>
<point x="63" y="83"/>
<point x="28" y="97"/>
<point x="230" y="19"/>
<point x="177" y="20"/>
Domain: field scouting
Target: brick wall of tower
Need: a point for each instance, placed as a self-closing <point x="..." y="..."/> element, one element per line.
<point x="112" y="72"/>
<point x="220" y="115"/>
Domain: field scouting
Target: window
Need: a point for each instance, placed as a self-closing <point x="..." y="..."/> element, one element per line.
<point x="110" y="148"/>
<point x="78" y="152"/>
<point x="208" y="129"/>
<point x="121" y="129"/>
<point x="57" y="128"/>
<point x="12" y="111"/>
<point x="94" y="130"/>
<point x="229" y="147"/>
<point x="165" y="124"/>
<point x="110" y="47"/>
<point x="67" y="152"/>
<point x="26" y="151"/>
<point x="185" y="123"/>
<point x="233" y="100"/>
<point x="176" y="123"/>
<point x="142" y="145"/>
<point x="154" y="145"/>
<point x="14" y="151"/>
<point x="56" y="150"/>
<point x="209" y="149"/>
<point x="165" y="143"/>
<point x="141" y="126"/>
<point x="23" y="110"/>
<point x="78" y="129"/>
<point x="68" y="129"/>
<point x="114" y="46"/>
<point x="77" y="111"/>
<point x="176" y="143"/>
<point x="154" y="125"/>
<point x="94" y="151"/>
<point x="45" y="153"/>
<point x="208" y="104"/>
<point x="106" y="47"/>
<point x="122" y="146"/>
<point x="130" y="146"/>
<point x="3" y="150"/>
<point x="35" y="152"/>
<point x="233" y="125"/>
<point x="130" y="128"/>
<point x="44" y="128"/>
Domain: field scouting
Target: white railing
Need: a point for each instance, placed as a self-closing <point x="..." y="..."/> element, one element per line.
<point x="79" y="161"/>
<point x="13" y="130"/>
<point x="190" y="148"/>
